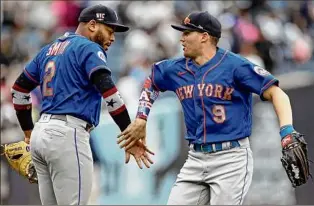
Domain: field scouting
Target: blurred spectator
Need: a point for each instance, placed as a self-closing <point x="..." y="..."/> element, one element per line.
<point x="66" y="14"/>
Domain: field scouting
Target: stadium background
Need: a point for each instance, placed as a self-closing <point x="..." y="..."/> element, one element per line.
<point x="277" y="35"/>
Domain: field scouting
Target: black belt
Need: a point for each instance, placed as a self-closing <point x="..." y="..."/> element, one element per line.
<point x="62" y="117"/>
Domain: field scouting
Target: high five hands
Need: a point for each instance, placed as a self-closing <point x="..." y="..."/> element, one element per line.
<point x="133" y="140"/>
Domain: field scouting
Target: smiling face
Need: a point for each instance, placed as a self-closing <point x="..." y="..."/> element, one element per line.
<point x="101" y="34"/>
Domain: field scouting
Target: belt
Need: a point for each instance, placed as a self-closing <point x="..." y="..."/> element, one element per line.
<point x="88" y="127"/>
<point x="215" y="147"/>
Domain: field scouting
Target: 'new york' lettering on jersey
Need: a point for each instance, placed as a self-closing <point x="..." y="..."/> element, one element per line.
<point x="218" y="92"/>
<point x="63" y="70"/>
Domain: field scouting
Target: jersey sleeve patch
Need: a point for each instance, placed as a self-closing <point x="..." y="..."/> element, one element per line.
<point x="261" y="71"/>
<point x="101" y="55"/>
<point x="92" y="58"/>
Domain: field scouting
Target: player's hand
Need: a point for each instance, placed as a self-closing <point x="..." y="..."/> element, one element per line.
<point x="27" y="135"/>
<point x="134" y="132"/>
<point x="140" y="153"/>
<point x="27" y="140"/>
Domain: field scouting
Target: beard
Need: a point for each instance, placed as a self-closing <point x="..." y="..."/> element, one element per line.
<point x="99" y="38"/>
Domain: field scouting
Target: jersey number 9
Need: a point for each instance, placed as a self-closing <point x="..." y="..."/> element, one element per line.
<point x="219" y="113"/>
<point x="50" y="71"/>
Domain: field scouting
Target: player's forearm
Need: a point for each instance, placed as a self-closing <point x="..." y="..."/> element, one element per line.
<point x="148" y="96"/>
<point x="282" y="106"/>
<point x="114" y="102"/>
<point x="28" y="133"/>
<point x="22" y="102"/>
<point x="122" y="119"/>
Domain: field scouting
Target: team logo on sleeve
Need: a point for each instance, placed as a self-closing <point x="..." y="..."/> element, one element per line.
<point x="101" y="56"/>
<point x="261" y="71"/>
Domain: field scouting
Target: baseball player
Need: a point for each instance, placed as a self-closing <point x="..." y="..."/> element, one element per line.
<point x="73" y="76"/>
<point x="215" y="88"/>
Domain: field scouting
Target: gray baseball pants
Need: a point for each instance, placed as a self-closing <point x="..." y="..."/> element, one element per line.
<point x="62" y="157"/>
<point x="220" y="178"/>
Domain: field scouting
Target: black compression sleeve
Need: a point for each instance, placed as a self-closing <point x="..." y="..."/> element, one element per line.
<point x="104" y="83"/>
<point x="122" y="120"/>
<point x="23" y="82"/>
<point x="23" y="86"/>
<point x="25" y="119"/>
<point x="102" y="80"/>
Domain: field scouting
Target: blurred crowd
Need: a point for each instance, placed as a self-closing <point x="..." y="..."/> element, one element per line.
<point x="277" y="35"/>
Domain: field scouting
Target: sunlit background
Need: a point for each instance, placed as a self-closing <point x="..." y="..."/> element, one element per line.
<point x="277" y="35"/>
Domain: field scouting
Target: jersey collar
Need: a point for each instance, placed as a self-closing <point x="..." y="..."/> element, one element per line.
<point x="194" y="67"/>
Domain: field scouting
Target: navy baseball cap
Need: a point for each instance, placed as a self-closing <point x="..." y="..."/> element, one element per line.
<point x="201" y="22"/>
<point x="104" y="15"/>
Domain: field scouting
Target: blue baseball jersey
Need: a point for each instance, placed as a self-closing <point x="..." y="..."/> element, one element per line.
<point x="216" y="97"/>
<point x="63" y="70"/>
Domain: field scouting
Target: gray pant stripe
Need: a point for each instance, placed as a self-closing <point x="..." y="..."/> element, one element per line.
<point x="79" y="168"/>
<point x="247" y="162"/>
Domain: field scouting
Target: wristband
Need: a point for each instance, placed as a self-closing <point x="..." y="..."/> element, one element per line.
<point x="286" y="130"/>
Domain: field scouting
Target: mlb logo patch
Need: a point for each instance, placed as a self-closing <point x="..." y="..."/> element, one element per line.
<point x="101" y="56"/>
<point x="261" y="71"/>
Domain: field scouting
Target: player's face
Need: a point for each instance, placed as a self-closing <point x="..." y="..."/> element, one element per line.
<point x="104" y="36"/>
<point x="191" y="42"/>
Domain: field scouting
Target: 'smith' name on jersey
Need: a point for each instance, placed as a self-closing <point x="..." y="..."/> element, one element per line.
<point x="208" y="90"/>
<point x="57" y="48"/>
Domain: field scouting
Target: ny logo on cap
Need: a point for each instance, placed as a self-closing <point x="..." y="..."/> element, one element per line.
<point x="100" y="16"/>
<point x="187" y="20"/>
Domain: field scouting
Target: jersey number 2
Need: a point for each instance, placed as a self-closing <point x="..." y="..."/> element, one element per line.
<point x="50" y="71"/>
<point x="219" y="113"/>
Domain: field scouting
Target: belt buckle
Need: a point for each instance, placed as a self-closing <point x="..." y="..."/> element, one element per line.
<point x="203" y="150"/>
<point x="212" y="148"/>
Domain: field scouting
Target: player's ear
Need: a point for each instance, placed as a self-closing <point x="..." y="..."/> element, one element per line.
<point x="205" y="37"/>
<point x="92" y="25"/>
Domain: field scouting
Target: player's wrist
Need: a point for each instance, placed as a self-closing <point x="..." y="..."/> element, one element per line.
<point x="28" y="133"/>
<point x="286" y="130"/>
<point x="141" y="117"/>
